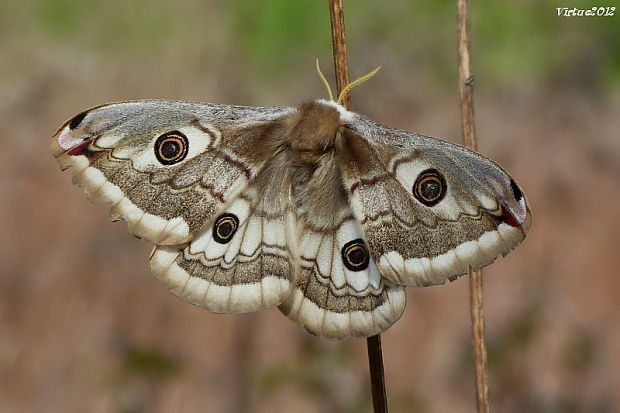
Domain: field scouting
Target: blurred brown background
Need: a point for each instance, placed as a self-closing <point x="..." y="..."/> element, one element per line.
<point x="84" y="327"/>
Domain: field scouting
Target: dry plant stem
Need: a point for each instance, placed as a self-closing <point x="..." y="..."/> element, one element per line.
<point x="377" y="378"/>
<point x="336" y="13"/>
<point x="466" y="78"/>
<point x="375" y="355"/>
<point x="240" y="367"/>
<point x="479" y="345"/>
<point x="466" y="91"/>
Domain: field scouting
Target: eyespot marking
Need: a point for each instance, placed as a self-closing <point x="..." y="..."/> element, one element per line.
<point x="225" y="228"/>
<point x="355" y="255"/>
<point x="171" y="147"/>
<point x="429" y="187"/>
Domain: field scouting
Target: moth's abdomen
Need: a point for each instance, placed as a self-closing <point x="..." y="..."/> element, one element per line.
<point x="339" y="291"/>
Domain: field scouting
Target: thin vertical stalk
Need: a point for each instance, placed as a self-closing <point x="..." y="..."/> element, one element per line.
<point x="336" y="13"/>
<point x="240" y="366"/>
<point x="377" y="377"/>
<point x="466" y="91"/>
<point x="375" y="354"/>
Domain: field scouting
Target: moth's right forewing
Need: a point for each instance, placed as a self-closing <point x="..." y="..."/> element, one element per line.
<point x="168" y="168"/>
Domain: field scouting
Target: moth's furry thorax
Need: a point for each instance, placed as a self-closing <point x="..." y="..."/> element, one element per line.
<point x="315" y="125"/>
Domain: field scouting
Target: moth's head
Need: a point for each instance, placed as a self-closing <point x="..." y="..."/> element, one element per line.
<point x="323" y="116"/>
<point x="344" y="116"/>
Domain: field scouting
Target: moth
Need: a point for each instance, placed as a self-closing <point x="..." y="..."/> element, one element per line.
<point x="314" y="209"/>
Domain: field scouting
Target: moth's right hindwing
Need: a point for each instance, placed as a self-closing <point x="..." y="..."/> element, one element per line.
<point x="241" y="261"/>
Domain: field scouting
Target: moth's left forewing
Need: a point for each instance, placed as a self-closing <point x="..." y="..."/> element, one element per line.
<point x="428" y="208"/>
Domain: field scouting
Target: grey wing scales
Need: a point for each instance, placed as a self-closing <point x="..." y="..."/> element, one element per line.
<point x="337" y="291"/>
<point x="240" y="262"/>
<point x="474" y="210"/>
<point x="115" y="152"/>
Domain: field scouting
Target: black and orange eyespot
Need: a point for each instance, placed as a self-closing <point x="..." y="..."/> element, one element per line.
<point x="225" y="227"/>
<point x="171" y="147"/>
<point x="430" y="187"/>
<point x="355" y="255"/>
